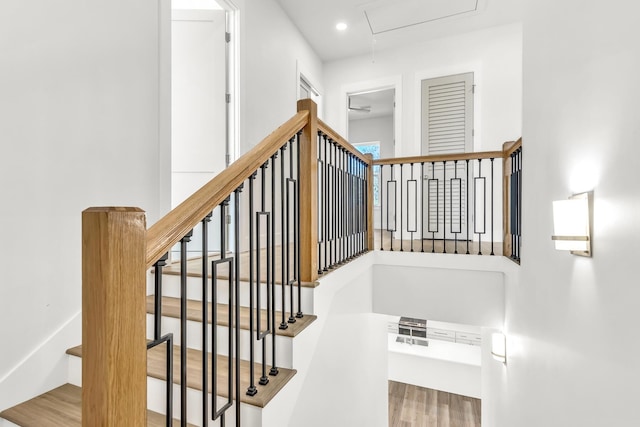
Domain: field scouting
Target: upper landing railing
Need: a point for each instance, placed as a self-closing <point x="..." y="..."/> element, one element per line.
<point x="450" y="203"/>
<point x="301" y="202"/>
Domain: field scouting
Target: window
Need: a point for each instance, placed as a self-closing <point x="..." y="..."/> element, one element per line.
<point x="372" y="148"/>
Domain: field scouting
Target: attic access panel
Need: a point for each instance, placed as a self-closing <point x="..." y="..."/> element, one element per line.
<point x="388" y="16"/>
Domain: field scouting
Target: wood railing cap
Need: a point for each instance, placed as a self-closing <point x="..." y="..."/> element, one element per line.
<point x="113" y="209"/>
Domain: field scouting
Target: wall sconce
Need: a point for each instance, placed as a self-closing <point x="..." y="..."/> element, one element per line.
<point x="572" y="224"/>
<point x="499" y="347"/>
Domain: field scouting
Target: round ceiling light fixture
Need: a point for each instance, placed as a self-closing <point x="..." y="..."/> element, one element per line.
<point x="341" y="26"/>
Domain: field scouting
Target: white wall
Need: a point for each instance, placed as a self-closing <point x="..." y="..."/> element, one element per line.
<point x="272" y="50"/>
<point x="495" y="56"/>
<point x="79" y="128"/>
<point x="341" y="358"/>
<point x="462" y="289"/>
<point x="572" y="323"/>
<point x="375" y="129"/>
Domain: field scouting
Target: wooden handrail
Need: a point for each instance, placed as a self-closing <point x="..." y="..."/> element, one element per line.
<point x="441" y="158"/>
<point x="342" y="142"/>
<point x="508" y="148"/>
<point x="176" y="224"/>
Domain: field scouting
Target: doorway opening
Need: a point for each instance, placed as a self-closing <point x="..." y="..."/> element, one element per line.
<point x="204" y="106"/>
<point x="202" y="90"/>
<point x="371" y="129"/>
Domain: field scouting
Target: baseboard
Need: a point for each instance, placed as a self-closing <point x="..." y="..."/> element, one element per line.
<point x="43" y="368"/>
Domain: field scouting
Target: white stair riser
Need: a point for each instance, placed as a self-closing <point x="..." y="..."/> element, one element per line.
<point x="171" y="288"/>
<point x="156" y="401"/>
<point x="284" y="352"/>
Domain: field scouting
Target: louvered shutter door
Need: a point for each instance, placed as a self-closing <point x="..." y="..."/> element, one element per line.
<point x="447" y="127"/>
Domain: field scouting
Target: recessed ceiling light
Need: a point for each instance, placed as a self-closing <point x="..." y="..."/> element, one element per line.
<point x="341" y="26"/>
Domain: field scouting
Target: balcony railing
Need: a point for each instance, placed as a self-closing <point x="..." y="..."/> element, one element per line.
<point x="450" y="203"/>
<point x="297" y="205"/>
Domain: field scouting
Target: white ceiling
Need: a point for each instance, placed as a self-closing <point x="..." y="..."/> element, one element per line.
<point x="394" y="22"/>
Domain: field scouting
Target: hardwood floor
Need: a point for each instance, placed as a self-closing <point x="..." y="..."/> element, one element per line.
<point x="413" y="406"/>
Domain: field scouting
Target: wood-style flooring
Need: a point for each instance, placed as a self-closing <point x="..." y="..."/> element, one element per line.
<point x="413" y="406"/>
<point x="61" y="407"/>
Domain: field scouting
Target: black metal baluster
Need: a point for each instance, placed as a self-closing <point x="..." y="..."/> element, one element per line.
<point x="433" y="233"/>
<point x="349" y="206"/>
<point x="283" y="243"/>
<point x="512" y="204"/>
<point x="320" y="199"/>
<point x="332" y="225"/>
<point x="395" y="193"/>
<point x="236" y="212"/>
<point x="183" y="327"/>
<point x="335" y="205"/>
<point x="290" y="258"/>
<point x="444" y="207"/>
<point x="221" y="413"/>
<point x="476" y="210"/>
<point x="519" y="203"/>
<point x="168" y="338"/>
<point x="492" y="183"/>
<point x="157" y="297"/>
<point x="344" y="199"/>
<point x="252" y="390"/>
<point x="339" y="197"/>
<point x="467" y="204"/>
<point x="169" y="382"/>
<point x="274" y="370"/>
<point x="409" y="229"/>
<point x="363" y="206"/>
<point x="359" y="221"/>
<point x="205" y="316"/>
<point x="455" y="235"/>
<point x="401" y="206"/>
<point x="297" y="236"/>
<point x="326" y="205"/>
<point x="422" y="199"/>
<point x="261" y="335"/>
<point x="381" y="195"/>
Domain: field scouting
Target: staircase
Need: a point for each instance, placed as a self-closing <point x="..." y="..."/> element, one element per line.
<point x="292" y="209"/>
<point x="62" y="406"/>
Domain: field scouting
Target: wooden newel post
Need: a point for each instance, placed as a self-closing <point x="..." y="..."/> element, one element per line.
<point x="114" y="354"/>
<point x="309" y="193"/>
<point x="506" y="200"/>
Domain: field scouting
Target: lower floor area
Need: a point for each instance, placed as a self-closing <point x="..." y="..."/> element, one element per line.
<point x="413" y="406"/>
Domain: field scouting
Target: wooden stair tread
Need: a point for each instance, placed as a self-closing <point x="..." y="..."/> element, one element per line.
<point x="156" y="368"/>
<point x="171" y="308"/>
<point x="194" y="268"/>
<point x="61" y="406"/>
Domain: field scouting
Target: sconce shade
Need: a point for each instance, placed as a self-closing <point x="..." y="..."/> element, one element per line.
<point x="499" y="347"/>
<point x="572" y="223"/>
